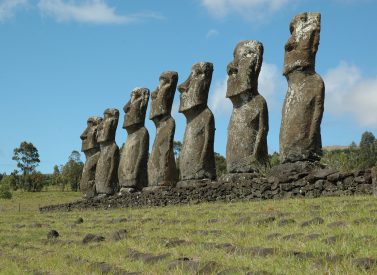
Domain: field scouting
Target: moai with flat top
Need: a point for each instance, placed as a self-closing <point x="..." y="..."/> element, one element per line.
<point x="162" y="170"/>
<point x="300" y="132"/>
<point x="106" y="177"/>
<point x="246" y="150"/>
<point x="132" y="170"/>
<point x="197" y="161"/>
<point x="91" y="149"/>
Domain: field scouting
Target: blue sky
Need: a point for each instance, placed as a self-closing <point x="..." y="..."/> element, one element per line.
<point x="62" y="61"/>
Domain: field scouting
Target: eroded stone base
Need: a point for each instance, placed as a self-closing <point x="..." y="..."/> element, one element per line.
<point x="192" y="183"/>
<point x="155" y="188"/>
<point x="297" y="183"/>
<point x="237" y="177"/>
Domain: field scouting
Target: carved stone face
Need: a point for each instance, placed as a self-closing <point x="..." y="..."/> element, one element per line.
<point x="136" y="107"/>
<point x="162" y="97"/>
<point x="301" y="47"/>
<point x="89" y="136"/>
<point x="194" y="91"/>
<point x="107" y="128"/>
<point x="244" y="70"/>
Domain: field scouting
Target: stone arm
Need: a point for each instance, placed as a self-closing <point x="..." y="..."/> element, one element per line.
<point x="209" y="129"/>
<point x="262" y="131"/>
<point x="144" y="146"/>
<point x="113" y="172"/>
<point x="317" y="114"/>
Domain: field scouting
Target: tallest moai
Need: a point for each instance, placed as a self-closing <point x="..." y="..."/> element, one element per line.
<point x="300" y="132"/>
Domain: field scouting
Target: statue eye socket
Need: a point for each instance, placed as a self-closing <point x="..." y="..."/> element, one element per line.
<point x="289" y="47"/>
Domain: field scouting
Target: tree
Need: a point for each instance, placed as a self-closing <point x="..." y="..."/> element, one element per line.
<point x="56" y="176"/>
<point x="220" y="163"/>
<point x="37" y="181"/>
<point x="368" y="151"/>
<point x="274" y="159"/>
<point x="27" y="158"/>
<point x="5" y="188"/>
<point x="15" y="180"/>
<point x="177" y="147"/>
<point x="354" y="157"/>
<point x="72" y="170"/>
<point x="75" y="156"/>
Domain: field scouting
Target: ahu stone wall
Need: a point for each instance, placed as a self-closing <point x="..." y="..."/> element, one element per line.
<point x="320" y="182"/>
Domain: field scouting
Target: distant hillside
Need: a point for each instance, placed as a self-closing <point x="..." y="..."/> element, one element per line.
<point x="334" y="148"/>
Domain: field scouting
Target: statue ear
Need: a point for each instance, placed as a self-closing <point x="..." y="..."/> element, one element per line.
<point x="315" y="41"/>
<point x="145" y="100"/>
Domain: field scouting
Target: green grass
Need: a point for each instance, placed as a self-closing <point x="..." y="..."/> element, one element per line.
<point x="24" y="248"/>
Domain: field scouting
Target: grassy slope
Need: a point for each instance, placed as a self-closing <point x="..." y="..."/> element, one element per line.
<point x="24" y="248"/>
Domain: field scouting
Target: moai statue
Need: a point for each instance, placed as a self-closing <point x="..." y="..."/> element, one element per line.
<point x="132" y="172"/>
<point x="107" y="167"/>
<point x="162" y="169"/>
<point x="91" y="149"/>
<point x="197" y="161"/>
<point x="246" y="149"/>
<point x="300" y="132"/>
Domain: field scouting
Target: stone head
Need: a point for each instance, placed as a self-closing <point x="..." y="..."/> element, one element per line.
<point x="89" y="136"/>
<point x="136" y="108"/>
<point x="108" y="126"/>
<point x="243" y="71"/>
<point x="194" y="91"/>
<point x="163" y="96"/>
<point x="301" y="47"/>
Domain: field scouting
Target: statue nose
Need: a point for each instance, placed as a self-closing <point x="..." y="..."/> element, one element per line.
<point x="232" y="69"/>
<point x="154" y="95"/>
<point x="183" y="87"/>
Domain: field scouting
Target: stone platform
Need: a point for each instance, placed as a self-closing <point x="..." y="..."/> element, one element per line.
<point x="293" y="183"/>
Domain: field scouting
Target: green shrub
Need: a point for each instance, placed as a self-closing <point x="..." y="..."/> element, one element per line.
<point x="5" y="189"/>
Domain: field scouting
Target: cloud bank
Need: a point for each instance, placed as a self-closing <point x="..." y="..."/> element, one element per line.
<point x="88" y="11"/>
<point x="9" y="7"/>
<point x="252" y="10"/>
<point x="271" y="83"/>
<point x="82" y="11"/>
<point x="348" y="92"/>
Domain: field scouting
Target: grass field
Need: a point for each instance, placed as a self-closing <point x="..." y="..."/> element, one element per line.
<point x="218" y="238"/>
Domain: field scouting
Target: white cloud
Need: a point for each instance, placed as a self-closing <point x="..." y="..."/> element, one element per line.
<point x="88" y="11"/>
<point x="212" y="33"/>
<point x="252" y="10"/>
<point x="218" y="102"/>
<point x="349" y="93"/>
<point x="8" y="8"/>
<point x="270" y="84"/>
<point x="175" y="108"/>
<point x="353" y="1"/>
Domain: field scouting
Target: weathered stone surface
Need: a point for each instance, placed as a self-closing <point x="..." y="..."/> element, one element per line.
<point x="147" y="258"/>
<point x="364" y="263"/>
<point x="106" y="177"/>
<point x="132" y="171"/>
<point x="91" y="238"/>
<point x="314" y="221"/>
<point x="52" y="234"/>
<point x="91" y="149"/>
<point x="162" y="170"/>
<point x="211" y="191"/>
<point x="300" y="133"/>
<point x="288" y="172"/>
<point x="246" y="148"/>
<point x="119" y="235"/>
<point x="197" y="159"/>
<point x="79" y="221"/>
